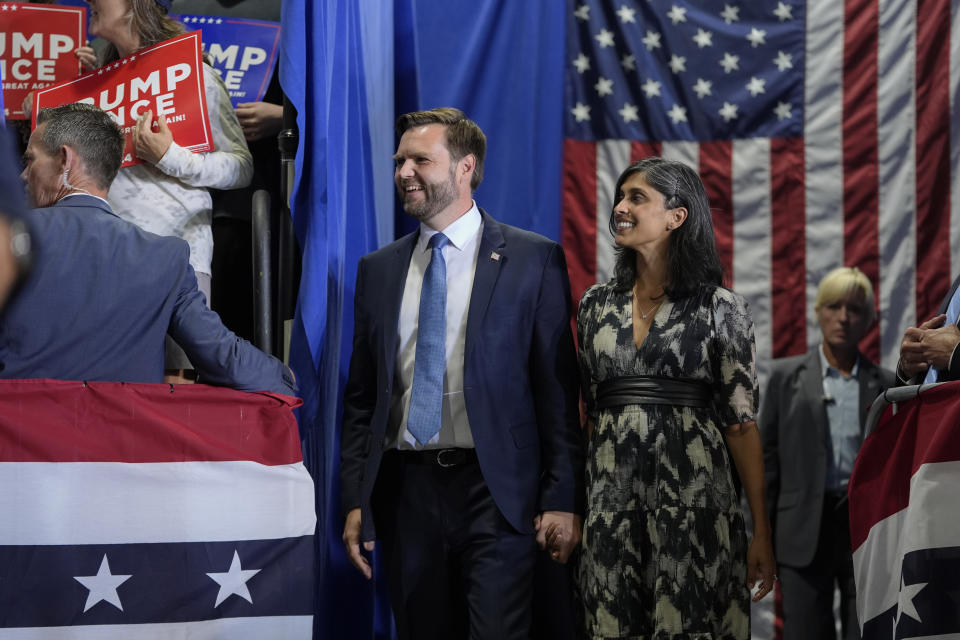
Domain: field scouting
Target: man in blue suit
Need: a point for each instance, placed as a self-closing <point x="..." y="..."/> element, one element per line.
<point x="460" y="448"/>
<point x="103" y="293"/>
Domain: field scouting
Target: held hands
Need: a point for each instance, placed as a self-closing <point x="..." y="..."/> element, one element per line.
<point x="558" y="531"/>
<point x="929" y="345"/>
<point x="761" y="566"/>
<point x="259" y="119"/>
<point x="148" y="144"/>
<point x="351" y="540"/>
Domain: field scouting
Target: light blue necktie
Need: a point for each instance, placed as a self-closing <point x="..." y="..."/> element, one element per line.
<point x="953" y="312"/>
<point x="426" y="399"/>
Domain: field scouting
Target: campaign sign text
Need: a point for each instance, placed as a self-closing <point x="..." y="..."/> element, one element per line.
<point x="244" y="52"/>
<point x="166" y="78"/>
<point x="37" y="42"/>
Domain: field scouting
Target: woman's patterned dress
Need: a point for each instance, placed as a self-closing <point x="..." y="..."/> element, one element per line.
<point x="664" y="546"/>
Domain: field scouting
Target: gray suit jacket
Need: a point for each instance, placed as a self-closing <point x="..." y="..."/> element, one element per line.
<point x="794" y="427"/>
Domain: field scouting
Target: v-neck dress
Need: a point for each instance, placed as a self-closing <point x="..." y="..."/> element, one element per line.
<point x="664" y="545"/>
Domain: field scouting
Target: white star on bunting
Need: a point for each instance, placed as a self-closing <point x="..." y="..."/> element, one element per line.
<point x="233" y="581"/>
<point x="102" y="586"/>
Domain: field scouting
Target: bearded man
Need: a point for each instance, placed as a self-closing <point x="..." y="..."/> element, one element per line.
<point x="460" y="448"/>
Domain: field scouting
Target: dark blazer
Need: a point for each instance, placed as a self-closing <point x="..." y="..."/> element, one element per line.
<point x="794" y="428"/>
<point x="102" y="295"/>
<point x="520" y="374"/>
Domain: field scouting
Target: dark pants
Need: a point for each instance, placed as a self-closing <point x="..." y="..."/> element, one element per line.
<point x="455" y="567"/>
<point x="808" y="591"/>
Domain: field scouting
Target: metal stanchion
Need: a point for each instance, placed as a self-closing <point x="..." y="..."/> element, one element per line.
<point x="287" y="249"/>
<point x="262" y="272"/>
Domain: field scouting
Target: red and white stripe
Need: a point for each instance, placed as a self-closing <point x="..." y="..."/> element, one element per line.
<point x="874" y="183"/>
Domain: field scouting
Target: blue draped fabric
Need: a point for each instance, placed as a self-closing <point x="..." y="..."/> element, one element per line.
<point x="499" y="61"/>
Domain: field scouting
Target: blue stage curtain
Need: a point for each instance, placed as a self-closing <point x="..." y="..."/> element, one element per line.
<point x="502" y="63"/>
<point x="334" y="53"/>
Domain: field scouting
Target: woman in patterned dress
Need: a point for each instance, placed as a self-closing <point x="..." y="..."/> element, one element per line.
<point x="667" y="360"/>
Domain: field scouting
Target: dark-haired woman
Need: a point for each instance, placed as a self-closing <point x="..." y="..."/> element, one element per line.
<point x="667" y="359"/>
<point x="168" y="194"/>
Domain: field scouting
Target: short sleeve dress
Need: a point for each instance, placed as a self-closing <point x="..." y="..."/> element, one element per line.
<point x="664" y="544"/>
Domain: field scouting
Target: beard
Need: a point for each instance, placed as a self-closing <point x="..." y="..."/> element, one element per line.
<point x="437" y="196"/>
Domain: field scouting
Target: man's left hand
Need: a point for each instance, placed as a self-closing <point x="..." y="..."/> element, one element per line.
<point x="148" y="144"/>
<point x="558" y="531"/>
<point x="938" y="345"/>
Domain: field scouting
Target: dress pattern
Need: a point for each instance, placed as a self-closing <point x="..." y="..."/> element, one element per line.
<point x="664" y="545"/>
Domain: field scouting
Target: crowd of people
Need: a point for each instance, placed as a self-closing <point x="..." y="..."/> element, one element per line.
<point x="463" y="449"/>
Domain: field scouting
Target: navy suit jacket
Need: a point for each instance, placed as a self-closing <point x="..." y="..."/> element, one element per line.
<point x="101" y="297"/>
<point x="520" y="375"/>
<point x="795" y="430"/>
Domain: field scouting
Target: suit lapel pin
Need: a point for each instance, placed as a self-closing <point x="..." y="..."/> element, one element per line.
<point x="495" y="256"/>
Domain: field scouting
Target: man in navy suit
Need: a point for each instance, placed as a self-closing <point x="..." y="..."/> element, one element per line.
<point x="103" y="293"/>
<point x="460" y="507"/>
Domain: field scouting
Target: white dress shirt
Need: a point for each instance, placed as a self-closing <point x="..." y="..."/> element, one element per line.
<point x="841" y="394"/>
<point x="460" y="255"/>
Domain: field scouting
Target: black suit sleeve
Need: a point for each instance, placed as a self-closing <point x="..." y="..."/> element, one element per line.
<point x="360" y="398"/>
<point x="769" y="423"/>
<point x="555" y="382"/>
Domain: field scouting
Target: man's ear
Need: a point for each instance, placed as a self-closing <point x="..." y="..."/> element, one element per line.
<point x="67" y="156"/>
<point x="467" y="164"/>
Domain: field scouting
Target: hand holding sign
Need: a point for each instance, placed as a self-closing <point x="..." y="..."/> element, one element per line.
<point x="87" y="56"/>
<point x="148" y="144"/>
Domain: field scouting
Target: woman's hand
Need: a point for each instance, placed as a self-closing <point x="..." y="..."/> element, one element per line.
<point x="761" y="567"/>
<point x="148" y="144"/>
<point x="88" y="58"/>
<point x="259" y="119"/>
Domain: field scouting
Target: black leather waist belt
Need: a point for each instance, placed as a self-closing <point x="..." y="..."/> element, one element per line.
<point x="653" y="390"/>
<point x="438" y="457"/>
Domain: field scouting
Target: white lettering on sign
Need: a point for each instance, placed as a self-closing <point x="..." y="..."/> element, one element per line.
<point x="21" y="44"/>
<point x="23" y="69"/>
<point x="226" y="57"/>
<point x="140" y="90"/>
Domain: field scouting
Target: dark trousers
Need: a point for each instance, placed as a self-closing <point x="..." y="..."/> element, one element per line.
<point x="808" y="591"/>
<point x="455" y="567"/>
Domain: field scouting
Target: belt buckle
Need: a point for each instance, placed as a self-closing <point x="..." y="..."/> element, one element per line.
<point x="447" y="465"/>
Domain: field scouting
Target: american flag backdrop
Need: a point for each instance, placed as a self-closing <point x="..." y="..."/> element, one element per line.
<point x="824" y="131"/>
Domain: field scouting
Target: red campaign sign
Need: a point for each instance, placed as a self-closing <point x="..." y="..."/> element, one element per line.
<point x="37" y="42"/>
<point x="166" y="78"/>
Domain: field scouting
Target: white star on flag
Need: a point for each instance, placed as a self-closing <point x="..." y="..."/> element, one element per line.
<point x="703" y="88"/>
<point x="678" y="63"/>
<point x="604" y="86"/>
<point x="629" y="113"/>
<point x="581" y="112"/>
<point x="730" y="14"/>
<point x="605" y="38"/>
<point x="651" y="88"/>
<point x="628" y="62"/>
<point x="678" y="114"/>
<point x="783" y="110"/>
<point x="233" y="581"/>
<point x="582" y="63"/>
<point x="730" y="62"/>
<point x="703" y="38"/>
<point x="652" y="40"/>
<point x="102" y="586"/>
<point x="677" y="14"/>
<point x="728" y="112"/>
<point x="783" y="11"/>
<point x="783" y="61"/>
<point x="626" y="14"/>
<point x="757" y="37"/>
<point x="582" y="12"/>
<point x="756" y="86"/>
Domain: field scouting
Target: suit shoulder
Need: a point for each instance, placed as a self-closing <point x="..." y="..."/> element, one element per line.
<point x="516" y="235"/>
<point x="787" y="366"/>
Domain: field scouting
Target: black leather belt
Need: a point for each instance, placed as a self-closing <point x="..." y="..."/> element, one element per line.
<point x="653" y="390"/>
<point x="439" y="457"/>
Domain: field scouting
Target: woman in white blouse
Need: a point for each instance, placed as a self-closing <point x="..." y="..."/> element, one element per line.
<point x="168" y="193"/>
